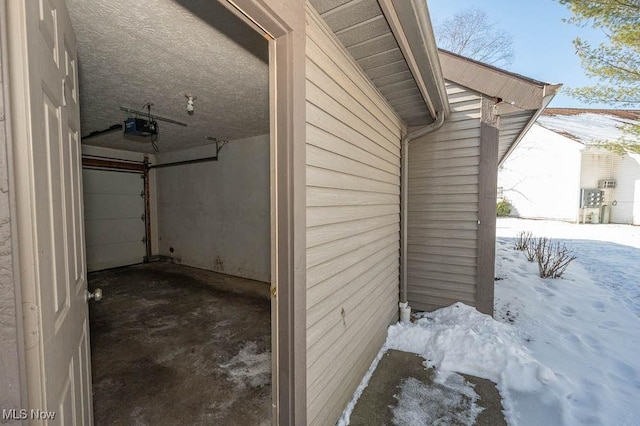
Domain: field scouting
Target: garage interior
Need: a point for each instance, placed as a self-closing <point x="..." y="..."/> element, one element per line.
<point x="177" y="211"/>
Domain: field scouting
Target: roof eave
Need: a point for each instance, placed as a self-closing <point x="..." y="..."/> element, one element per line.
<point x="511" y="90"/>
<point x="411" y="25"/>
<point x="545" y="101"/>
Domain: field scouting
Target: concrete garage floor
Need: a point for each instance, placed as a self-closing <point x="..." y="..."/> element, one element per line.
<point x="174" y="345"/>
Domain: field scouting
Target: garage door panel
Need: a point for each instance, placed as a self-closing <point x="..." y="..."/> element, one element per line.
<point x="113" y="231"/>
<point x="113" y="255"/>
<point x="114" y="218"/>
<point x="113" y="206"/>
<point x="110" y="182"/>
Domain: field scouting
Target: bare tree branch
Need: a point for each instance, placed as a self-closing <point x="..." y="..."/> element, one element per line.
<point x="470" y="33"/>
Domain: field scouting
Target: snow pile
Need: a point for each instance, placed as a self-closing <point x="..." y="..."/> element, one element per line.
<point x="459" y="338"/>
<point x="454" y="402"/>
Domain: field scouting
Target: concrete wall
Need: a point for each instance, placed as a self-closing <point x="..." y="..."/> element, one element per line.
<point x="10" y="334"/>
<point x="541" y="177"/>
<point x="216" y="215"/>
<point x="353" y="206"/>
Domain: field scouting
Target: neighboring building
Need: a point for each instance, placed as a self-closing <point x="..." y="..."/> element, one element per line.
<point x="560" y="161"/>
<point x="357" y="95"/>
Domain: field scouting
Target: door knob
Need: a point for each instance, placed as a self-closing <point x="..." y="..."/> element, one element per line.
<point x="96" y="295"/>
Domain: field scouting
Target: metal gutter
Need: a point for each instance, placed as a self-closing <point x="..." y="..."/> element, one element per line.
<point x="404" y="206"/>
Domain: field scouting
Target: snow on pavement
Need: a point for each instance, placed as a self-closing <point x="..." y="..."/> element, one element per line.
<point x="460" y="339"/>
<point x="454" y="402"/>
<point x="564" y="351"/>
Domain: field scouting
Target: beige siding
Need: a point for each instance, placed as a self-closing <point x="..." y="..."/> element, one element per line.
<point x="595" y="165"/>
<point x="443" y="207"/>
<point x="627" y="192"/>
<point x="353" y="215"/>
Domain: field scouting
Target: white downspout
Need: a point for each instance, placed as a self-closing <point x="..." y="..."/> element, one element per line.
<point x="405" y="309"/>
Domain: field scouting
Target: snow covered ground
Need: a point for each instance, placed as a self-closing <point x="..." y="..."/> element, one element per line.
<point x="585" y="327"/>
<point x="563" y="352"/>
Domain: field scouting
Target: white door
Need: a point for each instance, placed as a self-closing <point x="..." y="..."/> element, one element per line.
<point x="47" y="166"/>
<point x="114" y="209"/>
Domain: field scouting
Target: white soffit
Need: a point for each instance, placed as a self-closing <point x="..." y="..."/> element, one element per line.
<point x="362" y="28"/>
<point x="133" y="52"/>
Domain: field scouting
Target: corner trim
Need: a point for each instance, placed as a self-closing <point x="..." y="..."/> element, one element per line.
<point x="487" y="192"/>
<point x="283" y="24"/>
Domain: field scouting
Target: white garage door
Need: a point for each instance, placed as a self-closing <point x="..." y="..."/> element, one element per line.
<point x="114" y="218"/>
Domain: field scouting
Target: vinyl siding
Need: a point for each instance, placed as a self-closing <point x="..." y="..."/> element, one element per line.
<point x="627" y="192"/>
<point x="353" y="215"/>
<point x="444" y="169"/>
<point x="597" y="164"/>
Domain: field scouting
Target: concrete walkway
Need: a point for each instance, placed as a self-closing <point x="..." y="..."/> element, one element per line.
<point x="443" y="404"/>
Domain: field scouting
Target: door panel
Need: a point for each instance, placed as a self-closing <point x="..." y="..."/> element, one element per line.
<point x="114" y="218"/>
<point x="47" y="168"/>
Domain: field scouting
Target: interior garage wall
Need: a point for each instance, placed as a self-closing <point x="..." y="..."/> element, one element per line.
<point x="216" y="215"/>
<point x="443" y="217"/>
<point x="353" y="206"/>
<point x="9" y="307"/>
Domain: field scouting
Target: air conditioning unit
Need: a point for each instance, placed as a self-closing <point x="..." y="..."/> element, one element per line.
<point x="606" y="183"/>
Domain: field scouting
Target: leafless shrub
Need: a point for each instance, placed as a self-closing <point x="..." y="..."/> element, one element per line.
<point x="531" y="249"/>
<point x="522" y="240"/>
<point x="553" y="258"/>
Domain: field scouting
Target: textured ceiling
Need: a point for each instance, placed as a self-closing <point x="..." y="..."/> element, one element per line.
<point x="134" y="52"/>
<point x="363" y="29"/>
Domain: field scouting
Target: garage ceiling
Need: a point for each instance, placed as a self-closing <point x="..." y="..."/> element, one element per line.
<point x="134" y="52"/>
